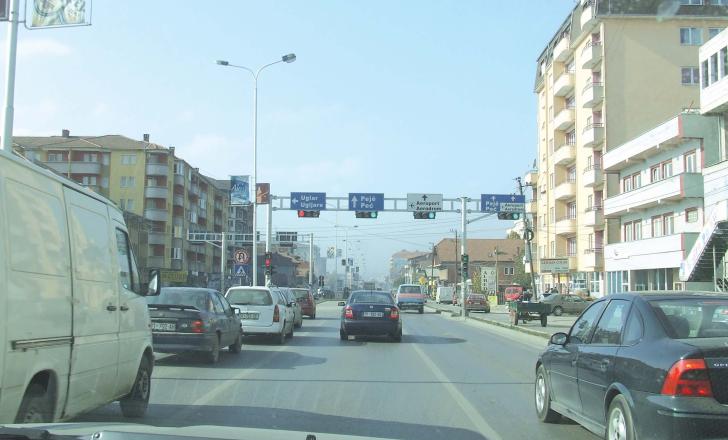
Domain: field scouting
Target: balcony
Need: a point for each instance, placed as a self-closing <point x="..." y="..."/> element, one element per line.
<point x="75" y="167"/>
<point x="157" y="169"/>
<point x="156" y="238"/>
<point x="155" y="262"/>
<point x="157" y="215"/>
<point x="592" y="94"/>
<point x="650" y="253"/>
<point x="156" y="192"/>
<point x="176" y="264"/>
<point x="564" y="154"/>
<point x="593" y="216"/>
<point x="565" y="190"/>
<point x="564" y="84"/>
<point x="566" y="226"/>
<point x="592" y="259"/>
<point x="588" y="17"/>
<point x="179" y="200"/>
<point x="592" y="135"/>
<point x="592" y="176"/>
<point x="561" y="50"/>
<point x="532" y="207"/>
<point x="194" y="190"/>
<point x="591" y="55"/>
<point x="672" y="189"/>
<point x="179" y="180"/>
<point x="564" y="119"/>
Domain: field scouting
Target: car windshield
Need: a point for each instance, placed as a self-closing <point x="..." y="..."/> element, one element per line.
<point x="693" y="317"/>
<point x="182" y="297"/>
<point x="251" y="297"/>
<point x="410" y="289"/>
<point x="300" y="293"/>
<point x="370" y="298"/>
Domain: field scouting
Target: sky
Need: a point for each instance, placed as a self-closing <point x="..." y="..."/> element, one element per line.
<point x="388" y="96"/>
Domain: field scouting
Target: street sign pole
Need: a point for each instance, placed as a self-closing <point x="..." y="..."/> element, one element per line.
<point x="8" y="109"/>
<point x="464" y="250"/>
<point x="223" y="257"/>
<point x="268" y="234"/>
<point x="310" y="259"/>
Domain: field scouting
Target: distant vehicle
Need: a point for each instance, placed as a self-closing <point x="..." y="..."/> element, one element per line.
<point x="640" y="365"/>
<point x="561" y="304"/>
<point x="513" y="293"/>
<point x="444" y="294"/>
<point x="190" y="319"/>
<point x="370" y="313"/>
<point x="263" y="311"/>
<point x="368" y="285"/>
<point x="411" y="296"/>
<point x="477" y="303"/>
<point x="306" y="301"/>
<point x="297" y="310"/>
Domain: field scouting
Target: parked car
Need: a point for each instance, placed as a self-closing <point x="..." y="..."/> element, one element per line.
<point x="411" y="296"/>
<point x="297" y="310"/>
<point x="307" y="302"/>
<point x="561" y="303"/>
<point x="264" y="311"/>
<point x="477" y="303"/>
<point x="75" y="327"/>
<point x="641" y="365"/>
<point x="370" y="313"/>
<point x="444" y="294"/>
<point x="192" y="319"/>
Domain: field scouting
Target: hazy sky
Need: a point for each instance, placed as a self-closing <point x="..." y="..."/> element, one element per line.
<point x="386" y="96"/>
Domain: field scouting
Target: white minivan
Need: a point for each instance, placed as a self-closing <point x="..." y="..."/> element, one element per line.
<point x="74" y="326"/>
<point x="444" y="294"/>
<point x="265" y="311"/>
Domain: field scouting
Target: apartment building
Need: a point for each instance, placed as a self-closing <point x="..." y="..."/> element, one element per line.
<point x="613" y="70"/>
<point x="148" y="180"/>
<point x="655" y="211"/>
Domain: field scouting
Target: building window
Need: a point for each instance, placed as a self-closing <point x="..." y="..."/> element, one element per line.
<point x="553" y="249"/>
<point x="55" y="157"/>
<point x="571" y="137"/>
<point x="128" y="181"/>
<point x="666" y="169"/>
<point x="571" y="210"/>
<point x="176" y="253"/>
<point x="552" y="180"/>
<point x="129" y="204"/>
<point x="637" y="229"/>
<point x="712" y="32"/>
<point x="713" y="68"/>
<point x="636" y="180"/>
<point x="690" y="76"/>
<point x="627" y="184"/>
<point x="691" y="215"/>
<point x="704" y="73"/>
<point x="691" y="165"/>
<point x="627" y="232"/>
<point x="90" y="157"/>
<point x="571" y="246"/>
<point x="552" y="215"/>
<point x="719" y="2"/>
<point x="128" y="159"/>
<point x="571" y="174"/>
<point x="691" y="36"/>
<point x="691" y="2"/>
<point x="657" y="230"/>
<point x="88" y="180"/>
<point x="541" y="252"/>
<point x="668" y="224"/>
<point x="724" y="62"/>
<point x="508" y="270"/>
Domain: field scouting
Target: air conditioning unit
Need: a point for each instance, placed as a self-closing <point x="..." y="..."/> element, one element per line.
<point x="678" y="286"/>
<point x="639" y="287"/>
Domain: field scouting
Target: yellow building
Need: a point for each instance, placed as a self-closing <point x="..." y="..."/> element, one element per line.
<point x="612" y="71"/>
<point x="148" y="180"/>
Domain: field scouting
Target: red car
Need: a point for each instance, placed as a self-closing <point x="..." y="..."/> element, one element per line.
<point x="305" y="299"/>
<point x="477" y="302"/>
<point x="513" y="293"/>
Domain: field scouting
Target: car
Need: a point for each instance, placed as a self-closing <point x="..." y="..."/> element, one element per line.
<point x="640" y="365"/>
<point x="370" y="313"/>
<point x="477" y="303"/>
<point x="297" y="310"/>
<point x="562" y="303"/>
<point x="264" y="311"/>
<point x="445" y="294"/>
<point x="411" y="296"/>
<point x="306" y="301"/>
<point x="513" y="293"/>
<point x="193" y="319"/>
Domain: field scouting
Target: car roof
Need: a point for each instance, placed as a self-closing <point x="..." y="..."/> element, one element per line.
<point x="651" y="295"/>
<point x="368" y="291"/>
<point x="249" y="288"/>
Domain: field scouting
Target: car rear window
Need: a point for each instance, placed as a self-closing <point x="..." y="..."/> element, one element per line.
<point x="410" y="289"/>
<point x="249" y="297"/>
<point x="693" y="317"/>
<point x="371" y="298"/>
<point x="181" y="297"/>
<point x="476" y="296"/>
<point x="300" y="293"/>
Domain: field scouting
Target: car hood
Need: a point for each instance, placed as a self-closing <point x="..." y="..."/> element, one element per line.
<point x="114" y="431"/>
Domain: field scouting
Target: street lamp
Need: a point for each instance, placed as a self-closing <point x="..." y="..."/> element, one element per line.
<point x="289" y="58"/>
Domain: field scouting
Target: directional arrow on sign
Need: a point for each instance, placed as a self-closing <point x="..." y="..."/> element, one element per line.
<point x="354" y="200"/>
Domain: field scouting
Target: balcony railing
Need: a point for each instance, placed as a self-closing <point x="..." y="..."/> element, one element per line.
<point x="592" y="175"/>
<point x="158" y="215"/>
<point x="156" y="192"/>
<point x="593" y="216"/>
<point x="593" y="134"/>
<point x="564" y="154"/>
<point x="566" y="190"/>
<point x="592" y="94"/>
<point x="591" y="55"/>
<point x="564" y="84"/>
<point x="671" y="189"/>
<point x="564" y="119"/>
<point x="566" y="225"/>
<point x="588" y="18"/>
<point x="157" y="169"/>
<point x="561" y="50"/>
<point x="179" y="180"/>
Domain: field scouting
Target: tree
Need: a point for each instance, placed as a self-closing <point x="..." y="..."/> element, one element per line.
<point x="514" y="235"/>
<point x="475" y="278"/>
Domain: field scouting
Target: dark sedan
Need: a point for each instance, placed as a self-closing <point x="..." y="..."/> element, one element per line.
<point x="370" y="313"/>
<point x="647" y="366"/>
<point x="189" y="319"/>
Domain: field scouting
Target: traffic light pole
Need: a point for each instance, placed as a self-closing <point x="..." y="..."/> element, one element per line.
<point x="310" y="259"/>
<point x="464" y="250"/>
<point x="268" y="234"/>
<point x="528" y="236"/>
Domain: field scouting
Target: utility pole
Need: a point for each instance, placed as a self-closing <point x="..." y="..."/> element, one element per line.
<point x="310" y="259"/>
<point x="464" y="250"/>
<point x="528" y="236"/>
<point x="496" y="270"/>
<point x="432" y="272"/>
<point x="268" y="233"/>
<point x="12" y="48"/>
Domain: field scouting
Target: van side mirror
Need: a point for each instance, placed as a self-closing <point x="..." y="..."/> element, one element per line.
<point x="559" y="338"/>
<point x="155" y="286"/>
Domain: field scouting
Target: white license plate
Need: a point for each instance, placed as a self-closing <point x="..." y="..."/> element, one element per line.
<point x="249" y="316"/>
<point x="164" y="326"/>
<point x="372" y="314"/>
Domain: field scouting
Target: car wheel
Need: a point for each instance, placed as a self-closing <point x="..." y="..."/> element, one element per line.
<point x="134" y="405"/>
<point x="281" y="337"/>
<point x="397" y="337"/>
<point x="36" y="406"/>
<point x="290" y="334"/>
<point x="237" y="346"/>
<point x="343" y="335"/>
<point x="543" y="398"/>
<point x="557" y="311"/>
<point x="619" y="420"/>
<point x="299" y="324"/>
<point x="214" y="354"/>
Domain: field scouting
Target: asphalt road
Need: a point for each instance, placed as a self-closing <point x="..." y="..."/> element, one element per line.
<point x="447" y="379"/>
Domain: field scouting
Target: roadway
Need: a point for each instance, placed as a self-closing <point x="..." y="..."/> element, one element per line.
<point x="447" y="379"/>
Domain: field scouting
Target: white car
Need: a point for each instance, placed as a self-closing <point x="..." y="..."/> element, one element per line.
<point x="264" y="311"/>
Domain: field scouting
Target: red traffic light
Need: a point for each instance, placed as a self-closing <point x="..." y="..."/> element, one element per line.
<point x="302" y="213"/>
<point x="268" y="259"/>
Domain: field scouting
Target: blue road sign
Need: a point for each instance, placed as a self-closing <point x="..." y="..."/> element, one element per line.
<point x="495" y="203"/>
<point x="308" y="201"/>
<point x="366" y="202"/>
<point x="241" y="270"/>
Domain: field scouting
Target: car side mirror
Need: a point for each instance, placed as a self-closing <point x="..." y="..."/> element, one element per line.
<point x="155" y="286"/>
<point x="559" y="338"/>
<point x="342" y="303"/>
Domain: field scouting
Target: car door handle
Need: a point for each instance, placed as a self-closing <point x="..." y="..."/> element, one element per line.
<point x="111" y="308"/>
<point x="124" y="308"/>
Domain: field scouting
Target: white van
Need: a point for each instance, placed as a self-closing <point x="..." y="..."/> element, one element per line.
<point x="444" y="294"/>
<point x="266" y="311"/>
<point x="75" y="330"/>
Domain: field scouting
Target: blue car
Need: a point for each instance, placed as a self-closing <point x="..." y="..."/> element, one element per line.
<point x="370" y="313"/>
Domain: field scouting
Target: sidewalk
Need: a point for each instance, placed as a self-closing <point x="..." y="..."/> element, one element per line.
<point x="499" y="316"/>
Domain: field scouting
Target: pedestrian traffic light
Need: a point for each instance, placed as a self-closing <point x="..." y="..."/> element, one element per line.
<point x="366" y="214"/>
<point x="509" y="215"/>
<point x="302" y="213"/>
<point x="429" y="215"/>
<point x="321" y="281"/>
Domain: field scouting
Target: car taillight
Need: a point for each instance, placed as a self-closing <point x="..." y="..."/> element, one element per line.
<point x="348" y="312"/>
<point x="276" y="314"/>
<point x="197" y="326"/>
<point x="394" y="314"/>
<point x="688" y="377"/>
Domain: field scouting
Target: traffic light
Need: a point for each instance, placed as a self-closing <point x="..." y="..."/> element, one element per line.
<point x="315" y="214"/>
<point x="366" y="214"/>
<point x="429" y="215"/>
<point x="464" y="260"/>
<point x="321" y="281"/>
<point x="268" y="264"/>
<point x="509" y="215"/>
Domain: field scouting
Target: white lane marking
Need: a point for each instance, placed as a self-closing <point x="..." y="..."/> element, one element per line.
<point x="468" y="409"/>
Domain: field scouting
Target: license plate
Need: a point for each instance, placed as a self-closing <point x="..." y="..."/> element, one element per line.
<point x="372" y="314"/>
<point x="164" y="326"/>
<point x="249" y="316"/>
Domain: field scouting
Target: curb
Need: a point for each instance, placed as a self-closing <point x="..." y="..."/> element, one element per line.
<point x="497" y="323"/>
